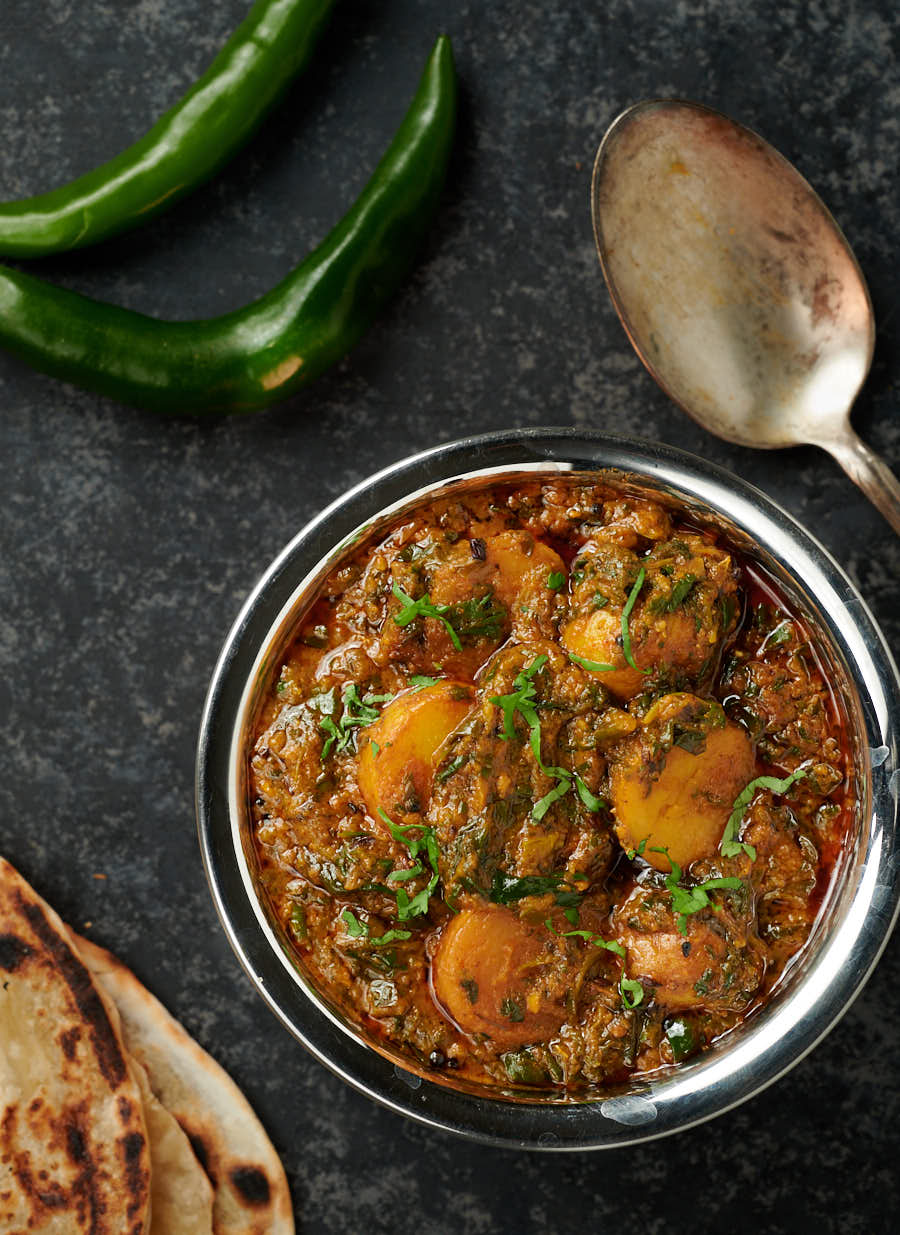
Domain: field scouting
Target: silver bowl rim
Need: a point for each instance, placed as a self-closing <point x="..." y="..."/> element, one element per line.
<point x="716" y="1081"/>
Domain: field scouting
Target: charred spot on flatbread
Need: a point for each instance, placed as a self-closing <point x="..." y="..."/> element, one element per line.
<point x="13" y="951"/>
<point x="251" y="1183"/>
<point x="68" y="1040"/>
<point x="198" y="1144"/>
<point x="108" y="1051"/>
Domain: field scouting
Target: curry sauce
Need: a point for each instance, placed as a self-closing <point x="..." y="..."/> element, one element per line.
<point x="549" y="786"/>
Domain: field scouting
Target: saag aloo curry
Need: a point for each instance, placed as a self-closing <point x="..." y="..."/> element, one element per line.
<point x="549" y="786"/>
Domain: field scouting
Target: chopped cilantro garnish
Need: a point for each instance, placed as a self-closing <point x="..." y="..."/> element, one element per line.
<point x="638" y="852"/>
<point x="542" y="805"/>
<point x="334" y="735"/>
<point x="729" y="846"/>
<point x="626" y="614"/>
<point x="524" y="692"/>
<point x="359" y="930"/>
<point x="592" y="666"/>
<point x="355" y="928"/>
<point x="423" y="607"/>
<point x="505" y="889"/>
<point x="631" y="991"/>
<point x="629" y="988"/>
<point x="681" y="1038"/>
<point x="596" y="941"/>
<point x="686" y="901"/>
<point x="600" y="601"/>
<point x="523" y="700"/>
<point x="401" y="876"/>
<point x="412" y="907"/>
<point x="590" y="800"/>
<point x="480" y="617"/>
<point x="555" y="580"/>
<point x="357" y="712"/>
<point x="676" y="598"/>
<point x="419" y="681"/>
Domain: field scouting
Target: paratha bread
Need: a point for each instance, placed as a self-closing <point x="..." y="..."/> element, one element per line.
<point x="74" y="1155"/>
<point x="251" y="1195"/>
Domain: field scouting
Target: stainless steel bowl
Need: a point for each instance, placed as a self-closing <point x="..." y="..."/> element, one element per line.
<point x="856" y="917"/>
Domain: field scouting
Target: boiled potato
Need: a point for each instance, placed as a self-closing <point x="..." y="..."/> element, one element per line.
<point x="487" y="976"/>
<point x="677" y="625"/>
<point x="677" y="965"/>
<point x="597" y="637"/>
<point x="674" y="782"/>
<point x="398" y="752"/>
<point x="515" y="558"/>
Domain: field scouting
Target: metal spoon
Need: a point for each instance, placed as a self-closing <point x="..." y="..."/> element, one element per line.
<point x="735" y="285"/>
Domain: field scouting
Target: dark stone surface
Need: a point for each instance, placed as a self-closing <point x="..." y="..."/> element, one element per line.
<point x="129" y="541"/>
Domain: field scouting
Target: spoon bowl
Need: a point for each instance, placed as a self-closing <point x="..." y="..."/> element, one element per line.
<point x="735" y="285"/>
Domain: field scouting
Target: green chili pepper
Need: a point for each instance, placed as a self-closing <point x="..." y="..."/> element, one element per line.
<point x="185" y="147"/>
<point x="265" y="351"/>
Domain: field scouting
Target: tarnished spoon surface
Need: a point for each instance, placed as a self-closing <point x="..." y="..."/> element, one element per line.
<point x="737" y="288"/>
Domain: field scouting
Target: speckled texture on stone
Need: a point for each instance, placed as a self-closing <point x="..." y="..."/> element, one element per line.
<point x="129" y="541"/>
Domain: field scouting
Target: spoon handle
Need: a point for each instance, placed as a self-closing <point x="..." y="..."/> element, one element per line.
<point x="868" y="470"/>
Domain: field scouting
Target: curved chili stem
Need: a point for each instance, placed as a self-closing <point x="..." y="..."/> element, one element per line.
<point x="264" y="352"/>
<point x="185" y="147"/>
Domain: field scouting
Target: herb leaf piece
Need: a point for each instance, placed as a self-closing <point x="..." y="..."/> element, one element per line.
<point x="355" y="928"/>
<point x="522" y="699"/>
<point x="407" y="906"/>
<point x="631" y="991"/>
<point x="359" y="930"/>
<point x="542" y="805"/>
<point x="356" y="713"/>
<point x="505" y="889"/>
<point x="590" y="800"/>
<point x="419" y="681"/>
<point x="423" y="607"/>
<point x="592" y="666"/>
<point x="729" y="845"/>
<point x="524" y="691"/>
<point x="626" y="614"/>
<point x="453" y="766"/>
<point x="676" y="598"/>
<point x="480" y="617"/>
<point x="687" y="901"/>
<point x="512" y="1007"/>
<point x="555" y="580"/>
<point x="596" y="941"/>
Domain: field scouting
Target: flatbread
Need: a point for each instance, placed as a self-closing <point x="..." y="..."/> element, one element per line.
<point x="74" y="1155"/>
<point x="181" y="1194"/>
<point x="250" y="1188"/>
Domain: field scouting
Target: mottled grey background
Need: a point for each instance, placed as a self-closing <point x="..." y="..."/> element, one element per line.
<point x="129" y="541"/>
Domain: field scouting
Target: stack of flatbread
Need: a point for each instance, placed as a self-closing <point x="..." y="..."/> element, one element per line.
<point x="112" y="1119"/>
